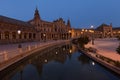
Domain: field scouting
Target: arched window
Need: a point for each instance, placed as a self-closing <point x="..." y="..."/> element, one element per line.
<point x="25" y="35"/>
<point x="34" y="35"/>
<point x="44" y="29"/>
<point x="6" y="35"/>
<point x="13" y="35"/>
<point x="55" y="28"/>
<point x="30" y="35"/>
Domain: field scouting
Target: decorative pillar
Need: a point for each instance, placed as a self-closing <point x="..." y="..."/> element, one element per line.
<point x="3" y="35"/>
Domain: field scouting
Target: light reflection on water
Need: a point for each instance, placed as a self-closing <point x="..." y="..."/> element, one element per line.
<point x="61" y="63"/>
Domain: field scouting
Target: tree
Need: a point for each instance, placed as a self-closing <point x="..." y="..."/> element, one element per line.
<point x="82" y="41"/>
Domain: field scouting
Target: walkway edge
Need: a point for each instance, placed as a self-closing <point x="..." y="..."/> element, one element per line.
<point x="23" y="55"/>
<point x="111" y="67"/>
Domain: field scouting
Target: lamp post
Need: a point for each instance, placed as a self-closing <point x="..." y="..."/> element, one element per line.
<point x="44" y="37"/>
<point x="69" y="34"/>
<point x="92" y="31"/>
<point x="83" y="32"/>
<point x="19" y="33"/>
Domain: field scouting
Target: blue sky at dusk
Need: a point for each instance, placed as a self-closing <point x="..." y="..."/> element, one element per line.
<point x="82" y="13"/>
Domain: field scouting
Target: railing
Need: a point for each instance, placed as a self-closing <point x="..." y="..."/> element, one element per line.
<point x="10" y="57"/>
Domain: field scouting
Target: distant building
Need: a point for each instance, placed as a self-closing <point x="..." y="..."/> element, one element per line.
<point x="103" y="31"/>
<point x="76" y="33"/>
<point x="116" y="32"/>
<point x="106" y="30"/>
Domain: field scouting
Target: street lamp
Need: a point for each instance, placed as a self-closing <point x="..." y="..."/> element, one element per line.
<point x="70" y="51"/>
<point x="82" y="32"/>
<point x="69" y="33"/>
<point x="44" y="37"/>
<point x="92" y="27"/>
<point x="19" y="33"/>
<point x="92" y="31"/>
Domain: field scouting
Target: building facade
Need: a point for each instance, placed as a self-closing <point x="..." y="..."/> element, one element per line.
<point x="103" y="31"/>
<point x="14" y="31"/>
<point x="55" y="30"/>
<point x="116" y="32"/>
<point x="106" y="30"/>
<point x="9" y="31"/>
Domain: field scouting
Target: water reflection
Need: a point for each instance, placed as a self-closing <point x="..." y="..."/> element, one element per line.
<point x="83" y="59"/>
<point x="63" y="62"/>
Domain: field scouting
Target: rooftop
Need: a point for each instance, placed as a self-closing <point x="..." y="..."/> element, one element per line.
<point x="13" y="21"/>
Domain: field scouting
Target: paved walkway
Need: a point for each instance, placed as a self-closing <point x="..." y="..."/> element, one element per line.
<point x="106" y="47"/>
<point x="12" y="54"/>
<point x="12" y="49"/>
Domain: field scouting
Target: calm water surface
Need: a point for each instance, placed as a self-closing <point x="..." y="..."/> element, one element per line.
<point x="61" y="63"/>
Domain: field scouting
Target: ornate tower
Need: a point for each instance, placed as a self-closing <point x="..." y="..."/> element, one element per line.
<point x="37" y="20"/>
<point x="110" y="24"/>
<point x="68" y="23"/>
<point x="36" y="15"/>
<point x="111" y="30"/>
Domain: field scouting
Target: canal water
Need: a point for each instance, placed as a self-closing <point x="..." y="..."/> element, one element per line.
<point x="63" y="62"/>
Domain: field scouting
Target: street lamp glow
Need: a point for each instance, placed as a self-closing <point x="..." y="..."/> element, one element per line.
<point x="70" y="51"/>
<point x="86" y="30"/>
<point x="92" y="31"/>
<point x="92" y="27"/>
<point x="19" y="45"/>
<point x="56" y="52"/>
<point x="44" y="35"/>
<point x="46" y="60"/>
<point x="93" y="63"/>
<point x="69" y="31"/>
<point x="19" y="32"/>
<point x="82" y="29"/>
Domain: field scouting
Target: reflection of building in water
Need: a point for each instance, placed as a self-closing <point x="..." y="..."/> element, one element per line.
<point x="19" y="67"/>
<point x="57" y="54"/>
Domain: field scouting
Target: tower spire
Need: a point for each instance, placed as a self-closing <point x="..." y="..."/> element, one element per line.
<point x="110" y="24"/>
<point x="36" y="15"/>
<point x="68" y="23"/>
